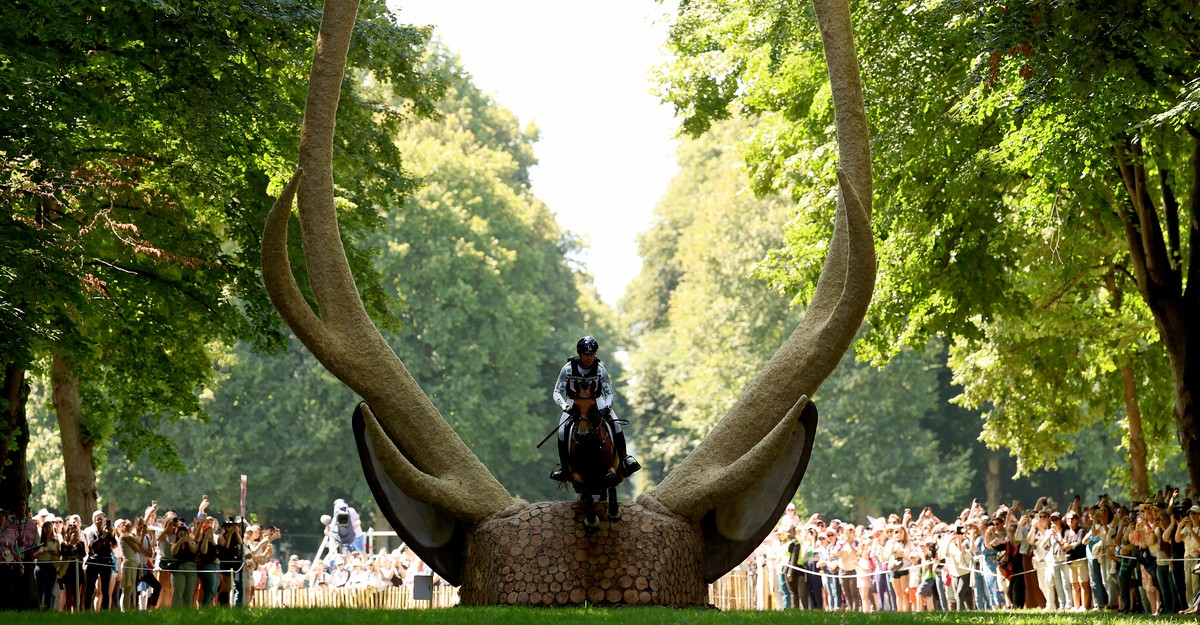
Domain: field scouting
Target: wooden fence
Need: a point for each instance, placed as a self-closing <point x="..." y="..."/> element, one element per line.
<point x="394" y="598"/>
<point x="738" y="590"/>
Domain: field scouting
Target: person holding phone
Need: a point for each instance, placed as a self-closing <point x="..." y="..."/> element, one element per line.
<point x="99" y="564"/>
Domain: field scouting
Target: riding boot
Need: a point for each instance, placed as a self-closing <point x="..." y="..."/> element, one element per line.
<point x="562" y="473"/>
<point x="629" y="465"/>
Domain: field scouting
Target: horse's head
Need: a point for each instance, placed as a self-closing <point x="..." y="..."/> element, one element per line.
<point x="703" y="519"/>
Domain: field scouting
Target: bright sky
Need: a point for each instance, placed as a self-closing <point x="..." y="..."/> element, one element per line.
<point x="581" y="72"/>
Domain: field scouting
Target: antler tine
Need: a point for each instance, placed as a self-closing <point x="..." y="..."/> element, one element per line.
<point x="837" y="308"/>
<point x="344" y="339"/>
<point x="329" y="273"/>
<point x="277" y="270"/>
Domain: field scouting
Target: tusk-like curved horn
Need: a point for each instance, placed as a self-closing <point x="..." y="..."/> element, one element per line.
<point x="343" y="338"/>
<point x="277" y="270"/>
<point x="837" y="308"/>
<point x="723" y="478"/>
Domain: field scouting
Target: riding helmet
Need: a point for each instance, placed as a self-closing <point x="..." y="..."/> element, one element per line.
<point x="587" y="345"/>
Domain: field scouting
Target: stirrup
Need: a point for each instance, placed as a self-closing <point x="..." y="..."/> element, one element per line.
<point x="560" y="474"/>
<point x="629" y="465"/>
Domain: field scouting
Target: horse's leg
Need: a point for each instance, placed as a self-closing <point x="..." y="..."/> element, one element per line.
<point x="590" y="523"/>
<point x="614" y="512"/>
<point x="612" y="477"/>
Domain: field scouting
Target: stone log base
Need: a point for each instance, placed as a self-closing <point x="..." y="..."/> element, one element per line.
<point x="539" y="554"/>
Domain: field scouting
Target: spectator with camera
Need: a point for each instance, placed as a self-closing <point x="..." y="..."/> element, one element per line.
<point x="1078" y="577"/>
<point x="1173" y="543"/>
<point x="1163" y="525"/>
<point x="258" y="553"/>
<point x="47" y="556"/>
<point x="72" y="552"/>
<point x="293" y="577"/>
<point x="317" y="577"/>
<point x="1041" y="538"/>
<point x="1187" y="534"/>
<point x="1102" y="555"/>
<point x="206" y="561"/>
<point x="230" y="553"/>
<point x="346" y="527"/>
<point x="995" y="546"/>
<point x="18" y="537"/>
<point x="958" y="564"/>
<point x="1145" y="536"/>
<point x="144" y="541"/>
<point x="127" y="564"/>
<point x="895" y="552"/>
<point x="184" y="548"/>
<point x="167" y="564"/>
<point x="100" y="563"/>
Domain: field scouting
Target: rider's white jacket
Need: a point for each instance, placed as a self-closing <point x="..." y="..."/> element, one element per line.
<point x="560" y="387"/>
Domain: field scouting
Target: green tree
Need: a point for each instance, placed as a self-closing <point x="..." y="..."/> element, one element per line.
<point x="702" y="326"/>
<point x="704" y="322"/>
<point x="492" y="306"/>
<point x="877" y="452"/>
<point x="1104" y="99"/>
<point x="140" y="145"/>
<point x="279" y="419"/>
<point x="488" y="309"/>
<point x="1008" y="141"/>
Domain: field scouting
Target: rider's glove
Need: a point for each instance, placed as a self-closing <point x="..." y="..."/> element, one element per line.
<point x="567" y="405"/>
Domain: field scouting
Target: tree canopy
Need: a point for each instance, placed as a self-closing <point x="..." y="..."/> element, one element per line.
<point x="142" y="145"/>
<point x="488" y="308"/>
<point x="704" y="321"/>
<point x="1032" y="160"/>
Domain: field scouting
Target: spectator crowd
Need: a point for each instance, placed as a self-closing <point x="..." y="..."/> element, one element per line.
<point x="1136" y="558"/>
<point x="158" y="561"/>
<point x="1143" y="557"/>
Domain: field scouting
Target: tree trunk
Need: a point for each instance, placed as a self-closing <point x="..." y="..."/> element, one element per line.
<point x="991" y="481"/>
<point x="862" y="508"/>
<point x="14" y="438"/>
<point x="1139" y="481"/>
<point x="1158" y="268"/>
<point x="1183" y="352"/>
<point x="78" y="461"/>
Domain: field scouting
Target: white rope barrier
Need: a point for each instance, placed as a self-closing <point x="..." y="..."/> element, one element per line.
<point x="982" y="571"/>
<point x="85" y="563"/>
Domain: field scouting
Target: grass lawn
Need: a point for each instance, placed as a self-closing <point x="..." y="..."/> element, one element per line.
<point x="574" y="616"/>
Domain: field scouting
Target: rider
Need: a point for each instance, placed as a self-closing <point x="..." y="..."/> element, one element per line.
<point x="586" y="365"/>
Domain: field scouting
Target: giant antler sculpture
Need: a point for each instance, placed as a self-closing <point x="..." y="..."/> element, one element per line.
<point x="706" y="516"/>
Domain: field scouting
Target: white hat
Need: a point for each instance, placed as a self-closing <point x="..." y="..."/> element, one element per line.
<point x="42" y="512"/>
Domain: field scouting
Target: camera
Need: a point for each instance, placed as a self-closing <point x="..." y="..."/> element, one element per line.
<point x="960" y="530"/>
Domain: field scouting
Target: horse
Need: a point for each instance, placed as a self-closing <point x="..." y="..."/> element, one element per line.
<point x="594" y="467"/>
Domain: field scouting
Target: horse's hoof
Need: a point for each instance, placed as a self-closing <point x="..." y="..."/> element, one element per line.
<point x="591" y="529"/>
